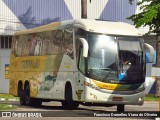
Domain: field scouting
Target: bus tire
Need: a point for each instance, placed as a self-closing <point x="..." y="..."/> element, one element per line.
<point x="69" y="104"/>
<point x="28" y="99"/>
<point x="22" y="101"/>
<point x="120" y="108"/>
<point x="21" y="94"/>
<point x="36" y="102"/>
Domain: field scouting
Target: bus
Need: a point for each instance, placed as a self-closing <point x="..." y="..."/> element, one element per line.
<point x="80" y="61"/>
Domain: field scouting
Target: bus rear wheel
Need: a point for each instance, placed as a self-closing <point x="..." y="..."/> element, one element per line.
<point x="69" y="104"/>
<point x="31" y="101"/>
<point x="37" y="102"/>
<point x="28" y="99"/>
<point x="21" y="95"/>
<point x="120" y="108"/>
<point x="22" y="101"/>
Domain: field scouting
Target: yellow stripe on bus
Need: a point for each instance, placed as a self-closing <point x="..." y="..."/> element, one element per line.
<point x="108" y="86"/>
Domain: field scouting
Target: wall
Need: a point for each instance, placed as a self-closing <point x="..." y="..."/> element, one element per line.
<point x="4" y="59"/>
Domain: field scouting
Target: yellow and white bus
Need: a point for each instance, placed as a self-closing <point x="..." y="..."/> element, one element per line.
<point x="81" y="61"/>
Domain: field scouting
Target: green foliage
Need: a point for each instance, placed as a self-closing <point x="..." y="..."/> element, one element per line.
<point x="150" y="15"/>
<point x="151" y="97"/>
<point x="7" y="107"/>
<point x="8" y="96"/>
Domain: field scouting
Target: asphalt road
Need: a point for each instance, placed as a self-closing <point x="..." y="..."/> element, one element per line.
<point x="83" y="112"/>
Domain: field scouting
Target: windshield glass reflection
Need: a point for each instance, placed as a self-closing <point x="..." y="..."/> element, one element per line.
<point x="102" y="57"/>
<point x="115" y="59"/>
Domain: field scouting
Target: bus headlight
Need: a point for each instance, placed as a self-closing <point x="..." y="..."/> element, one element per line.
<point x="140" y="99"/>
<point x="91" y="85"/>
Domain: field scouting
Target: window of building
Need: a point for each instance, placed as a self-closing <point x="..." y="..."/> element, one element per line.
<point x="5" y="42"/>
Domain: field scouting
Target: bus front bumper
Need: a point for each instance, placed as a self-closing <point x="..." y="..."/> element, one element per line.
<point x="97" y="96"/>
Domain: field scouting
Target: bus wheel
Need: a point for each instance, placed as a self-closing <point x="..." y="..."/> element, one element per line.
<point x="36" y="102"/>
<point x="22" y="101"/>
<point x="28" y="99"/>
<point x="21" y="95"/>
<point x="69" y="104"/>
<point x="120" y="108"/>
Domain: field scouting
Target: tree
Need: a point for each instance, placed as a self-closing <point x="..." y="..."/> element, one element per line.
<point x="150" y="16"/>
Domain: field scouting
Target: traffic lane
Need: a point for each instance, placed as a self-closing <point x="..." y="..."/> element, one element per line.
<point x="56" y="106"/>
<point x="85" y="112"/>
<point x="76" y="118"/>
<point x="147" y="106"/>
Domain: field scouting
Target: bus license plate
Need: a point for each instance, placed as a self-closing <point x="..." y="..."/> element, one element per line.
<point x="117" y="98"/>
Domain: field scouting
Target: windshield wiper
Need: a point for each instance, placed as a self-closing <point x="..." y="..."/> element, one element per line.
<point x="107" y="75"/>
<point x="113" y="66"/>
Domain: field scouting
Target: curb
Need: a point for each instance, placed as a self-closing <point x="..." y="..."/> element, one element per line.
<point x="10" y="99"/>
<point x="152" y="101"/>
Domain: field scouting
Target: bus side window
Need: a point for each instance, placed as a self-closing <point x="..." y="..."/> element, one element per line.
<point x="32" y="42"/>
<point x="44" y="47"/>
<point x="51" y="45"/>
<point x="24" y="45"/>
<point x="38" y="48"/>
<point x="81" y="61"/>
<point x="58" y="41"/>
<point x="19" y="46"/>
<point x="79" y="33"/>
<point x="14" y="46"/>
<point x="67" y="45"/>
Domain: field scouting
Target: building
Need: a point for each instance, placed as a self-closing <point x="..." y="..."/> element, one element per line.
<point x="17" y="15"/>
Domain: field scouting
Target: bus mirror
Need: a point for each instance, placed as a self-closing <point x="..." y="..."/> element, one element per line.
<point x="151" y="51"/>
<point x="85" y="47"/>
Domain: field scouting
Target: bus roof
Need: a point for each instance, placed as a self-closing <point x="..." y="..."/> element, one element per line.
<point x="104" y="27"/>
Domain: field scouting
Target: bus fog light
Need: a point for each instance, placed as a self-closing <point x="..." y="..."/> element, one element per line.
<point x="139" y="99"/>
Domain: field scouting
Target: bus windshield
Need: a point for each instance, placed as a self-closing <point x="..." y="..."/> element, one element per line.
<point x="108" y="55"/>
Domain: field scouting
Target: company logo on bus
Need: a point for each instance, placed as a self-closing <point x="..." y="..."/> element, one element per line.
<point x="30" y="63"/>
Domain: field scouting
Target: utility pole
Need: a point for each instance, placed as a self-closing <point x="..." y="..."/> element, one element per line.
<point x="84" y="9"/>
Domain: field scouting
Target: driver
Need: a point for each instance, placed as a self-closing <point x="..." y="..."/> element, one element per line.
<point x="129" y="60"/>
